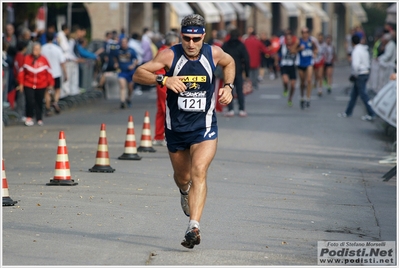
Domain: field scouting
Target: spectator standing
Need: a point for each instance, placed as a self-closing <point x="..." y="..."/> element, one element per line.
<point x="56" y="58"/>
<point x="135" y="44"/>
<point x="26" y="36"/>
<point x="250" y="31"/>
<point x="171" y="39"/>
<point x="18" y="63"/>
<point x="9" y="37"/>
<point x="66" y="41"/>
<point x="7" y="63"/>
<point x="237" y="50"/>
<point x="147" y="54"/>
<point x="43" y="36"/>
<point x="287" y="57"/>
<point x="126" y="62"/>
<point x="348" y="44"/>
<point x="122" y="34"/>
<point x="360" y="74"/>
<point x="62" y="39"/>
<point x="219" y="81"/>
<point x="329" y="59"/>
<point x="374" y="68"/>
<point x="82" y="54"/>
<point x="34" y="78"/>
<point x="255" y="49"/>
<point x="146" y="45"/>
<point x="387" y="60"/>
<point x="307" y="49"/>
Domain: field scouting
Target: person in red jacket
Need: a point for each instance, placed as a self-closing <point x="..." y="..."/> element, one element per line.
<point x="255" y="49"/>
<point x="34" y="78"/>
<point x="171" y="39"/>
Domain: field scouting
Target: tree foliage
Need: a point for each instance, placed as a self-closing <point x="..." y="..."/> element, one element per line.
<point x="376" y="14"/>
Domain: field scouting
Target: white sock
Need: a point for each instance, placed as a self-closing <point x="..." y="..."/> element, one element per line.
<point x="193" y="224"/>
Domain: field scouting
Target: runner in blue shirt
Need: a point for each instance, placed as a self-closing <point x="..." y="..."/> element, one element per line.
<point x="307" y="49"/>
<point x="190" y="129"/>
<point x="126" y="63"/>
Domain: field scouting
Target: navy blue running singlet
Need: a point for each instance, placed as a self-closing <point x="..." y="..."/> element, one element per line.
<point x="193" y="109"/>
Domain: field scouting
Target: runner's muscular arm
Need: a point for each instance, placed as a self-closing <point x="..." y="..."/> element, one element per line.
<point x="145" y="74"/>
<point x="229" y="70"/>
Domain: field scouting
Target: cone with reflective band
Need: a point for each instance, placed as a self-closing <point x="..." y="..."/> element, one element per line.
<point x="62" y="173"/>
<point x="102" y="157"/>
<point x="146" y="143"/>
<point x="130" y="143"/>
<point x="7" y="201"/>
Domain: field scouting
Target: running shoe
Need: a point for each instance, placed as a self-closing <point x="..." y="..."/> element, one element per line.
<point x="302" y="104"/>
<point x="184" y="203"/>
<point x="40" y="123"/>
<point x="129" y="103"/>
<point x="342" y="115"/>
<point x="285" y="93"/>
<point x="122" y="105"/>
<point x="192" y="238"/>
<point x="289" y="103"/>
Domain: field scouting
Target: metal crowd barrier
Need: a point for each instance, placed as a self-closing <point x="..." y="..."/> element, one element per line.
<point x="8" y="114"/>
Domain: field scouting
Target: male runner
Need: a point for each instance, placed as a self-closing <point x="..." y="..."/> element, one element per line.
<point x="307" y="51"/>
<point x="191" y="129"/>
<point x="126" y="62"/>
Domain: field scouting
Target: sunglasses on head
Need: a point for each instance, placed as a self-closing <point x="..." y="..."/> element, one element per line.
<point x="195" y="39"/>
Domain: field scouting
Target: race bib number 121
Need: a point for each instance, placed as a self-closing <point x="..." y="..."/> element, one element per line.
<point x="192" y="101"/>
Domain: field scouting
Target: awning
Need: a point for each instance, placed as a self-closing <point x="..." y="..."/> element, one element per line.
<point x="211" y="13"/>
<point x="264" y="9"/>
<point x="291" y="9"/>
<point x="240" y="10"/>
<point x="307" y="9"/>
<point x="391" y="14"/>
<point x="226" y="10"/>
<point x="182" y="9"/>
<point x="321" y="13"/>
<point x="357" y="10"/>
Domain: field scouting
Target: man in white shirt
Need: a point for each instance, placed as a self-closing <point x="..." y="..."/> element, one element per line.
<point x="360" y="74"/>
<point x="56" y="59"/>
<point x="135" y="44"/>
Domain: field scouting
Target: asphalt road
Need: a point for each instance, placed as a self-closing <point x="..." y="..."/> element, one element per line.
<point x="282" y="180"/>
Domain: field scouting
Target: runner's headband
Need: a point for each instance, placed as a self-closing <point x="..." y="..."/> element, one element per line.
<point x="192" y="29"/>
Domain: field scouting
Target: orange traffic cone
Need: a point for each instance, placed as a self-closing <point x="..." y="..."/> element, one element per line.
<point x="62" y="173"/>
<point x="102" y="157"/>
<point x="130" y="143"/>
<point x="7" y="201"/>
<point x="146" y="143"/>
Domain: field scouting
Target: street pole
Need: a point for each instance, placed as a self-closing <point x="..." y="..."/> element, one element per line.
<point x="45" y="16"/>
<point x="69" y="15"/>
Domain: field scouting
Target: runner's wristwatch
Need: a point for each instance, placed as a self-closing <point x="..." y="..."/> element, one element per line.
<point x="230" y="85"/>
<point x="159" y="79"/>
